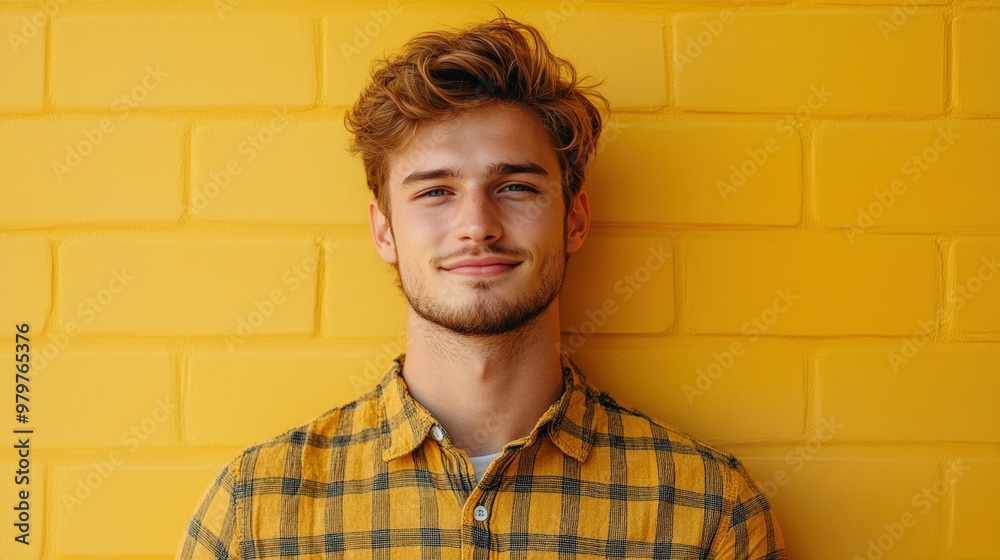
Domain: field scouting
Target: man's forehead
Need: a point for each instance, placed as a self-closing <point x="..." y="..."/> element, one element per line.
<point x="406" y="175"/>
<point x="487" y="171"/>
<point x="484" y="160"/>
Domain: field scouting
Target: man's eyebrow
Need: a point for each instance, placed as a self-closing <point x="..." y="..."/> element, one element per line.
<point x="492" y="170"/>
<point x="503" y="168"/>
<point x="418" y="176"/>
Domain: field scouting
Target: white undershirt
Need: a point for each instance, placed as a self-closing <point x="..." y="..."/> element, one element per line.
<point x="480" y="463"/>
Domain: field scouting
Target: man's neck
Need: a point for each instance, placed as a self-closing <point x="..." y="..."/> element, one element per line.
<point x="486" y="392"/>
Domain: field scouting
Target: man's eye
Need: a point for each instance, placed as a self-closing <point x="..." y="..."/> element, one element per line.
<point x="432" y="190"/>
<point x="525" y="187"/>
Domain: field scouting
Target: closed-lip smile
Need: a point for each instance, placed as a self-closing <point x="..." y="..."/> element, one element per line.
<point x="481" y="266"/>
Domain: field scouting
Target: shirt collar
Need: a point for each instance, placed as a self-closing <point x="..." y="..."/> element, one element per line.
<point x="405" y="423"/>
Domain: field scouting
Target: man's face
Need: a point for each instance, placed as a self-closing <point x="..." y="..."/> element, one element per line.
<point x="484" y="185"/>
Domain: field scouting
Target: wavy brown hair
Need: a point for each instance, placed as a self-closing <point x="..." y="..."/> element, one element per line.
<point x="439" y="74"/>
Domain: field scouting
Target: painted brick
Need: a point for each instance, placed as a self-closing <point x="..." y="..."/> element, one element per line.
<point x="976" y="514"/>
<point x="119" y="62"/>
<point x="598" y="43"/>
<point x="242" y="172"/>
<point x="785" y="61"/>
<point x="102" y="513"/>
<point x="906" y="176"/>
<point x="975" y="293"/>
<point x="22" y="61"/>
<point x="809" y="490"/>
<point x="9" y="493"/>
<point x="978" y="3"/>
<point x="87" y="170"/>
<point x="177" y="287"/>
<point x="701" y="173"/>
<point x="779" y="284"/>
<point x="618" y="285"/>
<point x="84" y="404"/>
<point x="727" y="391"/>
<point x="361" y="298"/>
<point x="977" y="55"/>
<point x="234" y="399"/>
<point x="906" y="395"/>
<point x="897" y="16"/>
<point x="26" y="284"/>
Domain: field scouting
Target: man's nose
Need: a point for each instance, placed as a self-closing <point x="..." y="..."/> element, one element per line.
<point x="477" y="217"/>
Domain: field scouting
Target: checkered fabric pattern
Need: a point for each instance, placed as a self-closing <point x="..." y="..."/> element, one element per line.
<point x="595" y="478"/>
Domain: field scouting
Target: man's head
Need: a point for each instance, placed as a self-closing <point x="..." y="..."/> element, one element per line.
<point x="439" y="75"/>
<point x="475" y="144"/>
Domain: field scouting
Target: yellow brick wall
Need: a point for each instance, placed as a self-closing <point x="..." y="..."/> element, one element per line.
<point x="794" y="252"/>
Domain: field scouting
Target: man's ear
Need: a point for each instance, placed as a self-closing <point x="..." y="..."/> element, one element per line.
<point x="381" y="233"/>
<point x="577" y="222"/>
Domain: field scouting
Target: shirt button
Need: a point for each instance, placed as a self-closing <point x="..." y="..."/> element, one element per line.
<point x="480" y="513"/>
<point x="437" y="432"/>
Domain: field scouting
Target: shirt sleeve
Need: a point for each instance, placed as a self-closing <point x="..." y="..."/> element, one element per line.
<point x="214" y="532"/>
<point x="751" y="532"/>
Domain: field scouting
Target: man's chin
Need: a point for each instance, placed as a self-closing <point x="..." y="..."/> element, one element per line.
<point x="480" y="329"/>
<point x="476" y="317"/>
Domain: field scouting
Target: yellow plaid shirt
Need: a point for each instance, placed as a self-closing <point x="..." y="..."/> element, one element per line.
<point x="380" y="478"/>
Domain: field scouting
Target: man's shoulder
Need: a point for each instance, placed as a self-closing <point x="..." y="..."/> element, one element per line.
<point x="659" y="434"/>
<point x="702" y="475"/>
<point x="350" y="424"/>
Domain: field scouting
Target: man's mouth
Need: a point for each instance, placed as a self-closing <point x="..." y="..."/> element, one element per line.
<point x="485" y="270"/>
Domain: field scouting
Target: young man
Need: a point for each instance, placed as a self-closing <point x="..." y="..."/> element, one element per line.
<point x="482" y="440"/>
